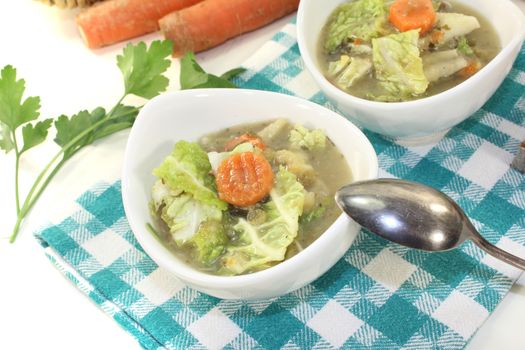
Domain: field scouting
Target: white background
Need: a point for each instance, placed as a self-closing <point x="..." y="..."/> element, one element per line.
<point x="39" y="308"/>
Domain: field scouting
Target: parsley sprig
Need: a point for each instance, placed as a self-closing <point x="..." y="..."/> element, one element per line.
<point x="143" y="70"/>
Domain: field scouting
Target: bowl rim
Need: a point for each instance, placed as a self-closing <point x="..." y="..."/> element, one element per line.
<point x="436" y="99"/>
<point x="185" y="271"/>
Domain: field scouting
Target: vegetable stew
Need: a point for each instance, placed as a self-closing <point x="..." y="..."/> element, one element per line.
<point x="248" y="197"/>
<point x="393" y="51"/>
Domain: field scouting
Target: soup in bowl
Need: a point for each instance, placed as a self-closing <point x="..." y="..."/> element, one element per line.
<point x="408" y="105"/>
<point x="213" y="123"/>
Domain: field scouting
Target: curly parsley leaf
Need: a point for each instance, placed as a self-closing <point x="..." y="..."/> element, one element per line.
<point x="6" y="143"/>
<point x="142" y="68"/>
<point x="192" y="76"/>
<point x="35" y="135"/>
<point x="13" y="111"/>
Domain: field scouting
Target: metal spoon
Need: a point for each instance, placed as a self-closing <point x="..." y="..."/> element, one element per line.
<point x="414" y="215"/>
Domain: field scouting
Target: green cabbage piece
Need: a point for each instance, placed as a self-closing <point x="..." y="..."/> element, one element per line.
<point x="363" y="19"/>
<point x="184" y="215"/>
<point x="188" y="169"/>
<point x="301" y="137"/>
<point x="186" y="199"/>
<point x="259" y="244"/>
<point x="336" y="67"/>
<point x="210" y="241"/>
<point x="398" y="65"/>
<point x="216" y="158"/>
<point x="190" y="222"/>
<point x="357" y="69"/>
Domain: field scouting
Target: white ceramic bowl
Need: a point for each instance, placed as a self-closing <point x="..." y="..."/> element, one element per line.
<point x="189" y="114"/>
<point x="427" y="116"/>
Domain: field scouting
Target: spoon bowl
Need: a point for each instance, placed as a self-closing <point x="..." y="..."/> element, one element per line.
<point x="413" y="215"/>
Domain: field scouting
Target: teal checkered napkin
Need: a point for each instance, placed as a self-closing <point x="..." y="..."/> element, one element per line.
<point x="379" y="295"/>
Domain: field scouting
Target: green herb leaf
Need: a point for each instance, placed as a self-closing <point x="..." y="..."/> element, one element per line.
<point x="142" y="68"/>
<point x="6" y="143"/>
<point x="35" y="135"/>
<point x="122" y="118"/>
<point x="14" y="112"/>
<point x="192" y="76"/>
<point x="69" y="128"/>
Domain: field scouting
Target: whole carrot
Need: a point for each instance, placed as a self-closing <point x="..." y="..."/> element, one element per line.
<point x="212" y="22"/>
<point x="112" y="21"/>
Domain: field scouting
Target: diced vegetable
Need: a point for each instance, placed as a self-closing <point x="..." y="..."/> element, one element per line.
<point x="357" y="69"/>
<point x="301" y="137"/>
<point x="259" y="244"/>
<point x="437" y="37"/>
<point x="254" y="140"/>
<point x="442" y="64"/>
<point x="407" y="15"/>
<point x="296" y="162"/>
<point x="360" y="19"/>
<point x="471" y="68"/>
<point x="455" y="25"/>
<point x="188" y="169"/>
<point x="272" y="131"/>
<point x="464" y="47"/>
<point x="398" y="66"/>
<point x="244" y="179"/>
<point x="336" y="67"/>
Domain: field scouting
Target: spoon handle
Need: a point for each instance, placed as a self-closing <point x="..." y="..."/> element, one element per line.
<point x="498" y="253"/>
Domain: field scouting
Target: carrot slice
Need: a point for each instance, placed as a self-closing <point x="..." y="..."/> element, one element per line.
<point x="254" y="140"/>
<point x="212" y="22"/>
<point x="471" y="69"/>
<point x="413" y="14"/>
<point x="244" y="179"/>
<point x="112" y="21"/>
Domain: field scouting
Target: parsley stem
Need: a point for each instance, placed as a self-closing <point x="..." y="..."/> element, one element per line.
<point x="17" y="169"/>
<point x="30" y="205"/>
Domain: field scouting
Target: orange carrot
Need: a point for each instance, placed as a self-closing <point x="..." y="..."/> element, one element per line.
<point x="244" y="179"/>
<point x="436" y="37"/>
<point x="112" y="21"/>
<point x="471" y="69"/>
<point x="413" y="14"/>
<point x="254" y="140"/>
<point x="212" y="22"/>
